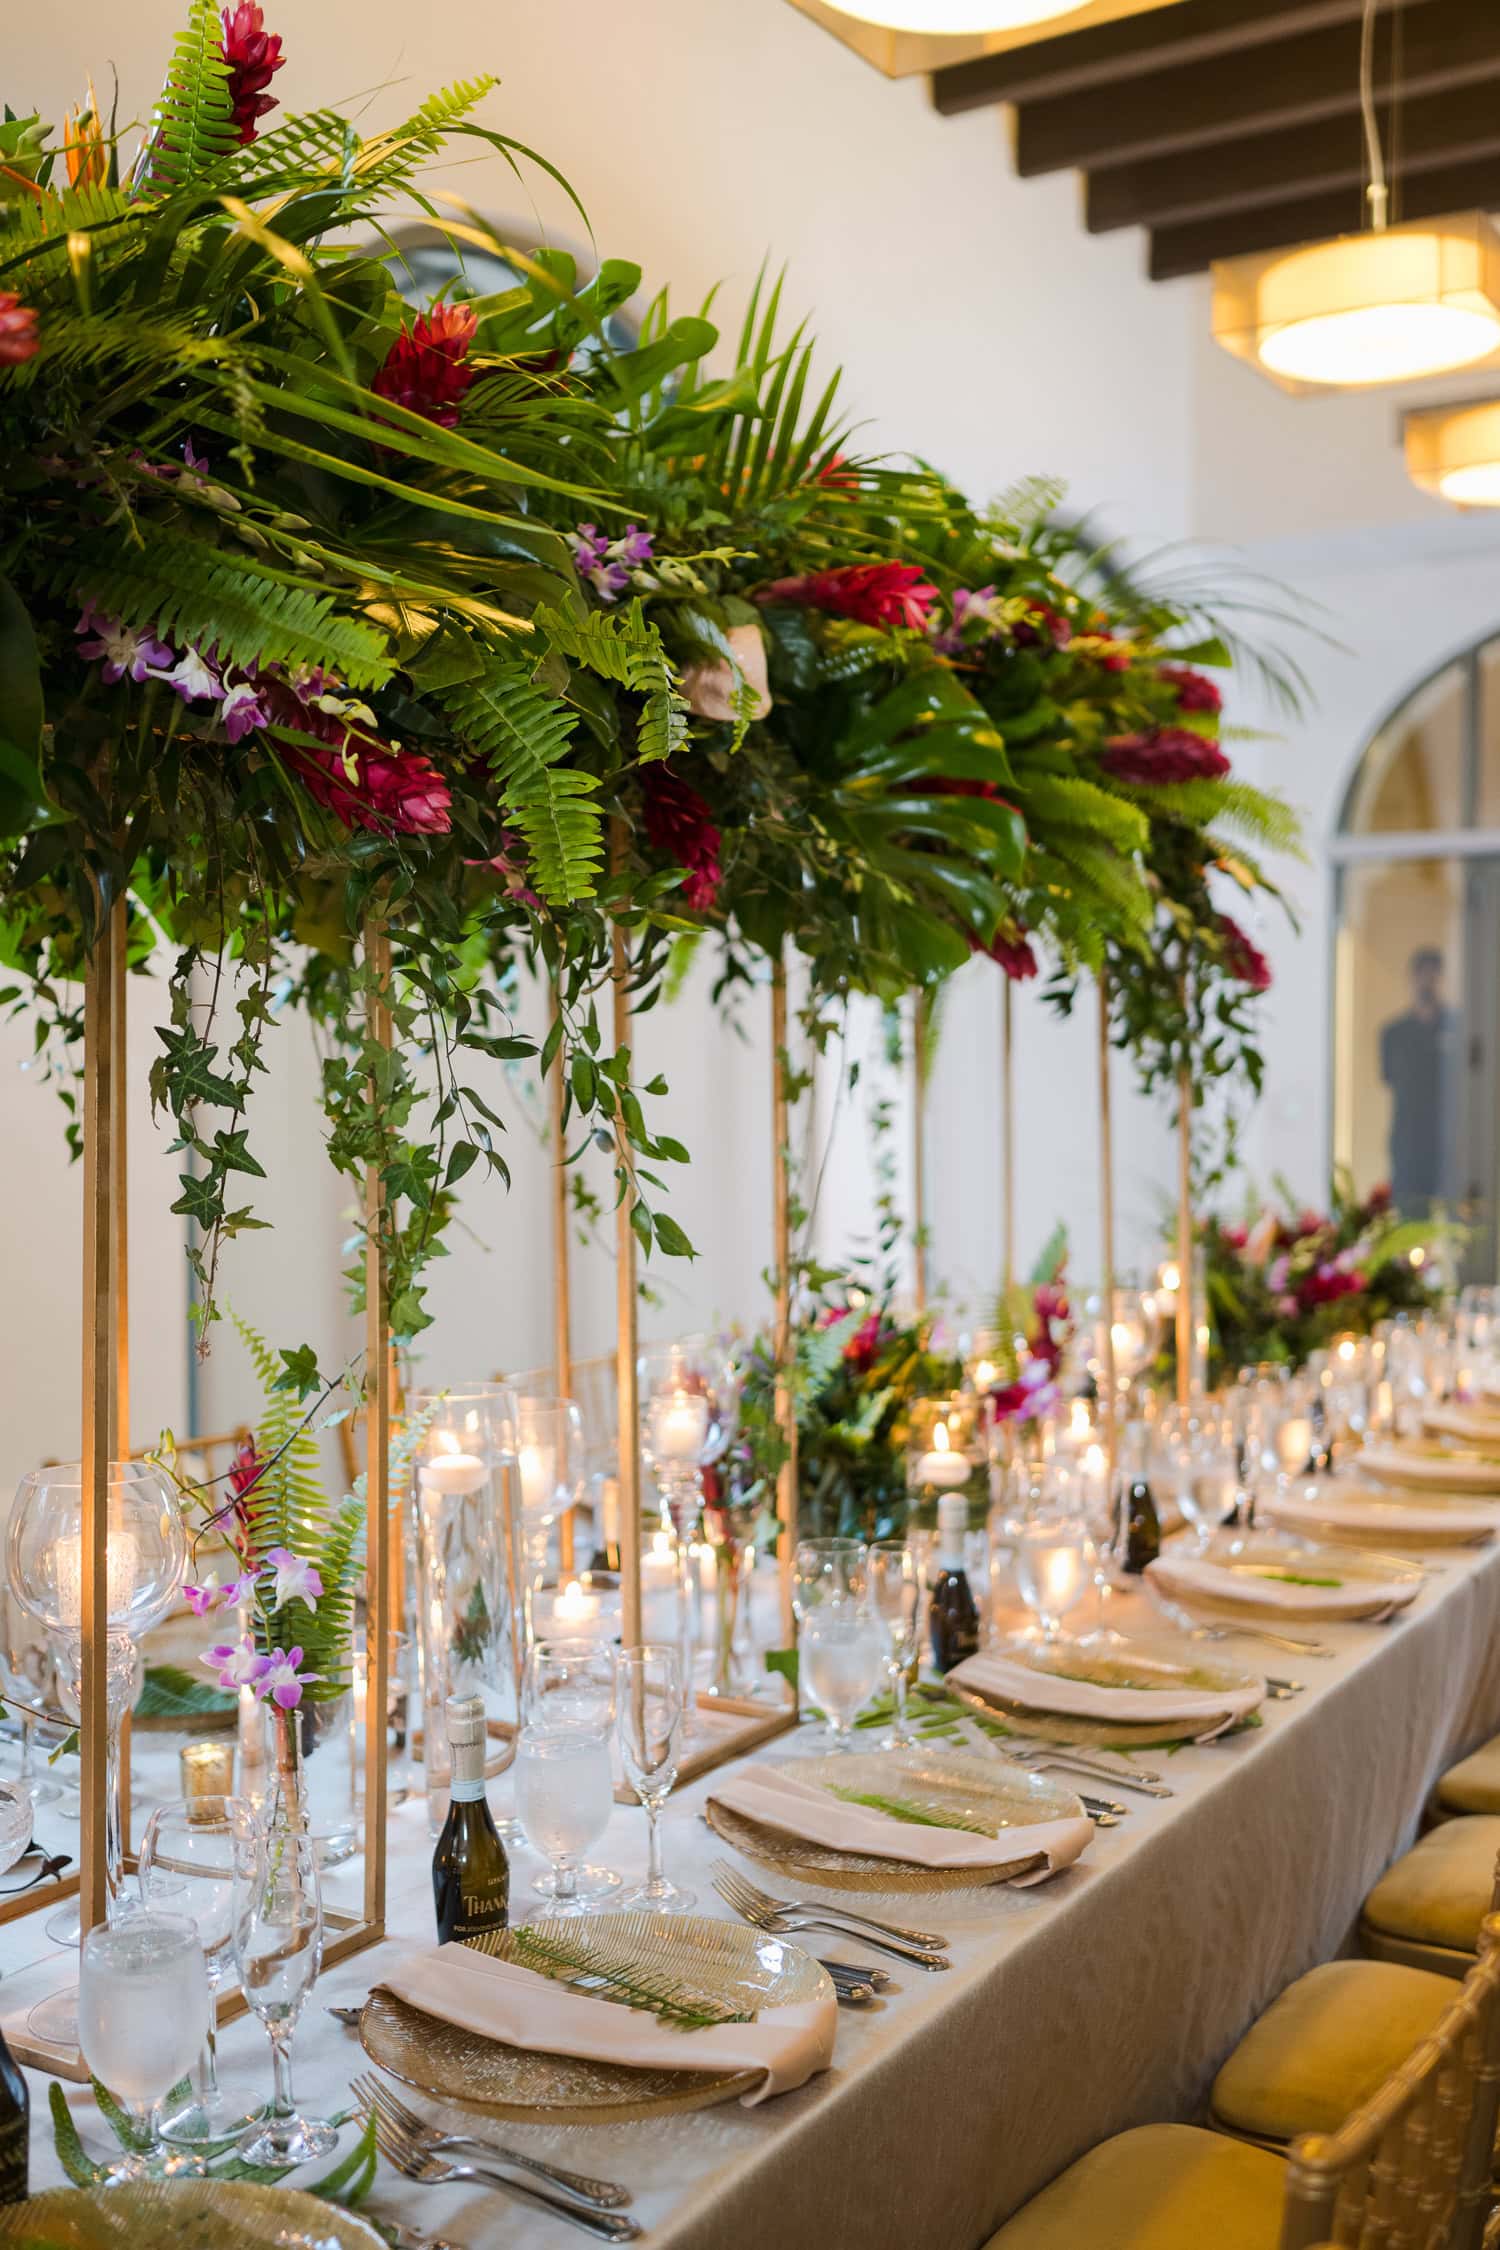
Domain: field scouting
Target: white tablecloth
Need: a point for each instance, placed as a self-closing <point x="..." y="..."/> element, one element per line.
<point x="1102" y="2000"/>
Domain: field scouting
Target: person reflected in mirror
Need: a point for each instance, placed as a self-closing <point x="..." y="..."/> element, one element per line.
<point x="1418" y="1053"/>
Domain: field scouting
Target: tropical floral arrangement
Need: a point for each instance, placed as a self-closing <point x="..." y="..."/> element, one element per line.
<point x="1283" y="1281"/>
<point x="857" y="1367"/>
<point x="1031" y="1331"/>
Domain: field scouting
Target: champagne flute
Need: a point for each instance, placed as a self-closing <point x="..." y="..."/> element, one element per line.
<point x="186" y="1865"/>
<point x="278" y="1950"/>
<point x="896" y="1599"/>
<point x="142" y="2006"/>
<point x="651" y="1705"/>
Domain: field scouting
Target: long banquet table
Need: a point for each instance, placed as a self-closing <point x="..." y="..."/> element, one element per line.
<point x="1101" y="2000"/>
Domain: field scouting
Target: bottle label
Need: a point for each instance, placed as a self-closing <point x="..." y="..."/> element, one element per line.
<point x="14" y="2136"/>
<point x="466" y="1789"/>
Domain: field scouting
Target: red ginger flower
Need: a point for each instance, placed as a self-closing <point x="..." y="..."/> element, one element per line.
<point x="678" y="823"/>
<point x="1015" y="955"/>
<point x="1165" y="754"/>
<point x="426" y="369"/>
<point x="863" y="1347"/>
<point x="1195" y="690"/>
<point x="1041" y="624"/>
<point x="18" y="336"/>
<point x="885" y="594"/>
<point x="1242" y="960"/>
<point x="254" y="56"/>
<point x="362" y="781"/>
<point x="1326" y="1285"/>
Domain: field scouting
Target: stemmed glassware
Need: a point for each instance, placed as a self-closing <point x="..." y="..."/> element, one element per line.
<point x="689" y="1403"/>
<point x="564" y="1781"/>
<point x="1054" y="1567"/>
<point x="552" y="1468"/>
<point x="651" y="1702"/>
<point x="143" y="2002"/>
<point x="277" y="1911"/>
<point x="896" y="1599"/>
<point x="839" y="1642"/>
<point x="186" y="1867"/>
<point x="1134" y="1316"/>
<point x="1208" y="1492"/>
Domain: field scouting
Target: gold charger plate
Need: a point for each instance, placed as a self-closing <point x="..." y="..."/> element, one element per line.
<point x="527" y="2086"/>
<point x="1334" y="1585"/>
<point x="1154" y="1661"/>
<point x="1431" y="1467"/>
<point x="182" y="2215"/>
<point x="1361" y="1513"/>
<point x="981" y="1787"/>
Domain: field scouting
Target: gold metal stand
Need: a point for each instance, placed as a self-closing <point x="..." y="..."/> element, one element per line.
<point x="378" y="1620"/>
<point x="1185" y="1340"/>
<point x="1109" y="1403"/>
<point x="627" y="1373"/>
<point x="787" y="1484"/>
<point x="919" y="1025"/>
<point x="1008" y="1122"/>
<point x="562" y="1292"/>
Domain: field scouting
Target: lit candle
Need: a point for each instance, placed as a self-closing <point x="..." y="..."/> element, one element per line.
<point x="609" y="1509"/>
<point x="1168" y="1279"/>
<point x="207" y="1770"/>
<point x="452" y="1472"/>
<point x="574" y="1607"/>
<point x="538" y="1471"/>
<point x="119" y="1577"/>
<point x="985" y="1374"/>
<point x="659" y="1566"/>
<point x="942" y="1466"/>
<point x="679" y="1426"/>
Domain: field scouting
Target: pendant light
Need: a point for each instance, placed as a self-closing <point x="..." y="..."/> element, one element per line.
<point x="1384" y="306"/>
<point x="1453" y="452"/>
<point x="944" y="18"/>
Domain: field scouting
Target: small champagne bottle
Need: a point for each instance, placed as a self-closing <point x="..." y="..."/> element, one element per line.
<point x="470" y="1872"/>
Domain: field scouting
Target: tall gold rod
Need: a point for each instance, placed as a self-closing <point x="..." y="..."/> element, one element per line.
<point x="98" y="1376"/>
<point x="919" y="1020"/>
<point x="627" y="1381"/>
<point x="1109" y="1404"/>
<point x="562" y="1286"/>
<point x="1185" y="1305"/>
<point x="378" y="1620"/>
<point x="119" y="1415"/>
<point x="1008" y="1122"/>
<point x="785" y="1398"/>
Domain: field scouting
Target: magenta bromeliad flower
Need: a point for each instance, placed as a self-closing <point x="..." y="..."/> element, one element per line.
<point x="1243" y="959"/>
<point x="1166" y="754"/>
<point x="18" y="324"/>
<point x="297" y="1580"/>
<point x="680" y="824"/>
<point x="887" y="595"/>
<point x="254" y="56"/>
<point x="427" y="368"/>
<point x="1194" y="690"/>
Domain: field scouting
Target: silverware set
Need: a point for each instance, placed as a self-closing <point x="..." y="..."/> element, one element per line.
<point x="422" y="2153"/>
<point x="785" y="1917"/>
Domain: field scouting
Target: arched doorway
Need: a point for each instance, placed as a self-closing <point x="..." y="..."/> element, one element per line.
<point x="1417" y="955"/>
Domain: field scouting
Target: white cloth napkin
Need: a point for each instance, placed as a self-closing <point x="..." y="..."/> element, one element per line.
<point x="775" y="1798"/>
<point x="1354" y="1597"/>
<point x="500" y="2000"/>
<point x="1384" y="1513"/>
<point x="1479" y="1424"/>
<point x="1088" y="1699"/>
<point x="1432" y="1472"/>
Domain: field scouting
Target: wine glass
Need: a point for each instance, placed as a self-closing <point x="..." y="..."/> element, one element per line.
<point x="689" y="1411"/>
<point x="840" y="1641"/>
<point x="651" y="1700"/>
<point x="564" y="1777"/>
<point x="277" y="1911"/>
<point x="186" y="1866"/>
<point x="552" y="1467"/>
<point x="828" y="1570"/>
<point x="896" y="1599"/>
<point x="1208" y="1494"/>
<point x="1054" y="1567"/>
<point x="142" y="2006"/>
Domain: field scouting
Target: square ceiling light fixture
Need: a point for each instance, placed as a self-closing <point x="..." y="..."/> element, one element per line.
<point x="1453" y="452"/>
<point x="1362" y="309"/>
<point x="902" y="37"/>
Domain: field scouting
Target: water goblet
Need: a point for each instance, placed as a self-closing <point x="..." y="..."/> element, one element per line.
<point x="277" y="1911"/>
<point x="840" y="1659"/>
<point x="564" y="1778"/>
<point x="186" y="1867"/>
<point x="651" y="1702"/>
<point x="142" y="2006"/>
<point x="826" y="1570"/>
<point x="1054" y="1568"/>
<point x="896" y="1600"/>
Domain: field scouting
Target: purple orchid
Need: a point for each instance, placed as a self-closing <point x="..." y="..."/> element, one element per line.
<point x="122" y="649"/>
<point x="193" y="677"/>
<point x="635" y="549"/>
<point x="237" y="1665"/>
<point x="201" y="1600"/>
<point x="297" y="1580"/>
<point x="243" y="710"/>
<point x="607" y="564"/>
<point x="282" y="1679"/>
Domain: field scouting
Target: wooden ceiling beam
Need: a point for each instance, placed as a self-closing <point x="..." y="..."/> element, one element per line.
<point x="1461" y="126"/>
<point x="1286" y="82"/>
<point x="1193" y="246"/>
<point x="1071" y="62"/>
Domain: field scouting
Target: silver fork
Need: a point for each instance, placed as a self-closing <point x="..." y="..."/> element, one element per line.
<point x="410" y="2158"/>
<point x="371" y="2092"/>
<point x="927" y="1940"/>
<point x="782" y="1923"/>
<point x="1046" y="1757"/>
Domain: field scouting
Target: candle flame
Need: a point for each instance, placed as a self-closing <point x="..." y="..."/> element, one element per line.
<point x="940" y="1438"/>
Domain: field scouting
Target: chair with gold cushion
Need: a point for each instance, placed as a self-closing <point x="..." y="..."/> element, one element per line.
<point x="1472" y="1786"/>
<point x="1426" y="1909"/>
<point x="1412" y="2165"/>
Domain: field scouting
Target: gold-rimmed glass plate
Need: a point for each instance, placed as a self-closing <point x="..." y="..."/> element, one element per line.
<point x="742" y="1967"/>
<point x="1268" y="1574"/>
<point x="1428" y="1465"/>
<point x="1183" y="1683"/>
<point x="183" y="2215"/>
<point x="1362" y="1513"/>
<point x="982" y="1788"/>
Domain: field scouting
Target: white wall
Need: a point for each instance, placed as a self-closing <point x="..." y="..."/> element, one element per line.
<point x="984" y="328"/>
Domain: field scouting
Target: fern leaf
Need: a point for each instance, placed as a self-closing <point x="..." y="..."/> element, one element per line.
<point x="524" y="733"/>
<point x="193" y="135"/>
<point x="1268" y="821"/>
<point x="1067" y="801"/>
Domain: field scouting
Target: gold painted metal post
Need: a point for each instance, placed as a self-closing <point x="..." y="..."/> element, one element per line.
<point x="1008" y="1121"/>
<point x="562" y="1290"/>
<point x="627" y="1374"/>
<point x="119" y="1406"/>
<point x="378" y="1620"/>
<point x="1186" y="1342"/>
<point x="99" y="1377"/>
<point x="1110" y="1400"/>
<point x="919" y="1015"/>
<point x="787" y="1486"/>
